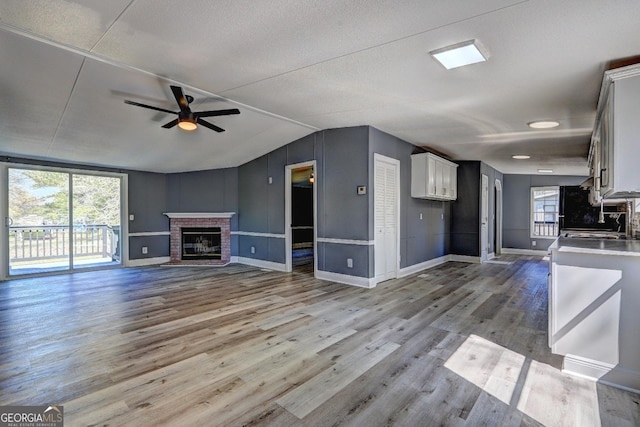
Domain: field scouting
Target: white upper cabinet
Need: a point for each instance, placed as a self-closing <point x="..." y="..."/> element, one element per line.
<point x="433" y="177"/>
<point x="616" y="141"/>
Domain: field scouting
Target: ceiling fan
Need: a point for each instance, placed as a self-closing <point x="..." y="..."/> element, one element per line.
<point x="187" y="119"/>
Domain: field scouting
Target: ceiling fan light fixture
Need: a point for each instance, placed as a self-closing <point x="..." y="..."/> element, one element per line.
<point x="459" y="54"/>
<point x="543" y="124"/>
<point x="187" y="124"/>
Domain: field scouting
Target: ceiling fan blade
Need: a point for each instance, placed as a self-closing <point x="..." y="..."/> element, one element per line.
<point x="180" y="98"/>
<point x="217" y="112"/>
<point x="137" y="104"/>
<point x="171" y="124"/>
<point x="209" y="125"/>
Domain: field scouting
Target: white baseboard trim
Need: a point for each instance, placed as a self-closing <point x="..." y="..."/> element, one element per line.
<point x="362" y="282"/>
<point x="605" y="373"/>
<point x="269" y="265"/>
<point x="147" y="261"/>
<point x="465" y="258"/>
<point x="416" y="268"/>
<point x="514" y="251"/>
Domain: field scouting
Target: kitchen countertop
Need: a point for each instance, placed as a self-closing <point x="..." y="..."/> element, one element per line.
<point x="597" y="246"/>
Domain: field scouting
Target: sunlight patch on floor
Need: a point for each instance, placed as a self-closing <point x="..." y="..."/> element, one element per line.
<point x="540" y="391"/>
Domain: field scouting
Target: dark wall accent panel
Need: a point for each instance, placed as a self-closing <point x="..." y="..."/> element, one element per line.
<point x="517" y="207"/>
<point x="465" y="211"/>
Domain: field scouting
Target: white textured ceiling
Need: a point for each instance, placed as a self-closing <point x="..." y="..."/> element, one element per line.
<point x="296" y="66"/>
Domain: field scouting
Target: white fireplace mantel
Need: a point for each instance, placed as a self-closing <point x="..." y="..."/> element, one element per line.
<point x="199" y="214"/>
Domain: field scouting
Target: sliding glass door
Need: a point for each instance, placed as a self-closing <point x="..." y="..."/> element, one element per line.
<point x="96" y="220"/>
<point x="60" y="220"/>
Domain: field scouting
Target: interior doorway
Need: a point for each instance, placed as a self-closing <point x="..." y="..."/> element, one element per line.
<point x="300" y="216"/>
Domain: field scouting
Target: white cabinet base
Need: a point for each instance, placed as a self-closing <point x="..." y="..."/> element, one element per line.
<point x="601" y="372"/>
<point x="593" y="309"/>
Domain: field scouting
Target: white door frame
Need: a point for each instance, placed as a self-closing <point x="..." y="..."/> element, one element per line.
<point x="498" y="222"/>
<point x="484" y="218"/>
<point x="288" y="240"/>
<point x="396" y="163"/>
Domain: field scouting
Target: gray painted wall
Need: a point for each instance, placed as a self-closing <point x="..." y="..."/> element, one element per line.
<point x="150" y="195"/>
<point x="517" y="207"/>
<point x="344" y="161"/>
<point x="147" y="202"/>
<point x="420" y="239"/>
<point x="341" y="165"/>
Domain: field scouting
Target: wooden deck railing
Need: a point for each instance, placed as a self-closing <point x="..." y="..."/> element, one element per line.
<point x="52" y="241"/>
<point x="545" y="229"/>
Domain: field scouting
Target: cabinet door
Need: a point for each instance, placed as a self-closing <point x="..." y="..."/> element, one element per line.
<point x="439" y="178"/>
<point x="606" y="148"/>
<point x="453" y="180"/>
<point x="446" y="181"/>
<point x="419" y="176"/>
<point x="432" y="176"/>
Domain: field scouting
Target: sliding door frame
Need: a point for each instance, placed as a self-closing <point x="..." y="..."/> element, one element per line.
<point x="4" y="211"/>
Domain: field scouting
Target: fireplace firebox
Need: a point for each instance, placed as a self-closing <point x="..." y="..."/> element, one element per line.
<point x="201" y="243"/>
<point x="200" y="252"/>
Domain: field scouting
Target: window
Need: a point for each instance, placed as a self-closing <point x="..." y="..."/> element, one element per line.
<point x="544" y="211"/>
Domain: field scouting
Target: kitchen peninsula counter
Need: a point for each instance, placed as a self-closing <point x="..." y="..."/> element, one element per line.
<point x="597" y="246"/>
<point x="594" y="308"/>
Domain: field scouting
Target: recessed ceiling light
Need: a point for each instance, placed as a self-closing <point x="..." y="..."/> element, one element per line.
<point x="545" y="170"/>
<point x="544" y="124"/>
<point x="459" y="54"/>
<point x="520" y="156"/>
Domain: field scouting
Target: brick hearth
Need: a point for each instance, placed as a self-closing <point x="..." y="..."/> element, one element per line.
<point x="188" y="220"/>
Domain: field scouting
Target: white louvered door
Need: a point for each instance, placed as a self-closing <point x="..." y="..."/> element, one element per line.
<point x="386" y="175"/>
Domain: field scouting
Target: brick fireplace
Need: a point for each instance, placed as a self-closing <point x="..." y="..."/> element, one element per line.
<point x="219" y="222"/>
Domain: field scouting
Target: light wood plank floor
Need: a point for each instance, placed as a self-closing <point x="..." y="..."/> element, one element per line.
<point x="459" y="344"/>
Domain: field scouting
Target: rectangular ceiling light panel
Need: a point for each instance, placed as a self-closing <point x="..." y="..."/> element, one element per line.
<point x="459" y="54"/>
